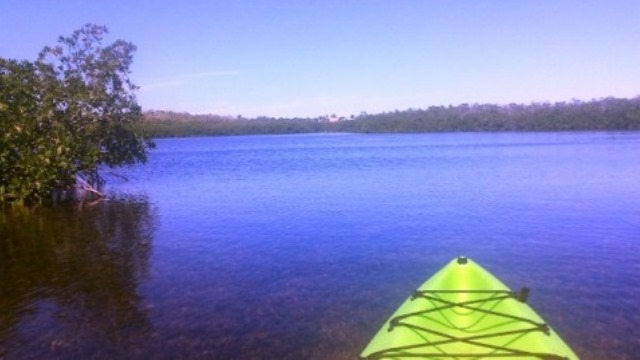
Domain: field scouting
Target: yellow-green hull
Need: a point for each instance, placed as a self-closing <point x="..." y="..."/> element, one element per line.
<point x="464" y="312"/>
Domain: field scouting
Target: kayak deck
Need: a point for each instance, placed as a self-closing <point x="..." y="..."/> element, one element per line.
<point x="464" y="312"/>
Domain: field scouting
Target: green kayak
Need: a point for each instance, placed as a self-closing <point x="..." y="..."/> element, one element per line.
<point x="464" y="312"/>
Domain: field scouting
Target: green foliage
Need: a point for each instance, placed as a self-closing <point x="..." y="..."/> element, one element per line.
<point x="172" y="124"/>
<point x="66" y="115"/>
<point x="603" y="114"/>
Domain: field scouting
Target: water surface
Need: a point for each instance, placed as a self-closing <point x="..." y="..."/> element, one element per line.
<point x="291" y="247"/>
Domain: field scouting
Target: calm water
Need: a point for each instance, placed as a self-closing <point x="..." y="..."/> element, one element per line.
<point x="296" y="247"/>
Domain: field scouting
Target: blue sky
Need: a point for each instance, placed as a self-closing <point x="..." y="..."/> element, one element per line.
<point x="309" y="58"/>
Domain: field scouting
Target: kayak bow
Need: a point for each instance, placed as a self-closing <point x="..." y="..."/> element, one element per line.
<point x="464" y="312"/>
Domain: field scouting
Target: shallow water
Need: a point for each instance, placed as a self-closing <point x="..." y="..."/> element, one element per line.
<point x="289" y="247"/>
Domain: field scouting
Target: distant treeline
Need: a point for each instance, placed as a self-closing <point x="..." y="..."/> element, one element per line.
<point x="602" y="114"/>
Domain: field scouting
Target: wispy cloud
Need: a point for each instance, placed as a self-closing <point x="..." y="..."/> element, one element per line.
<point x="185" y="79"/>
<point x="206" y="74"/>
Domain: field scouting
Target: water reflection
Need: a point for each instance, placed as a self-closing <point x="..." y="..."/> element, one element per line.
<point x="69" y="278"/>
<point x="300" y="247"/>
